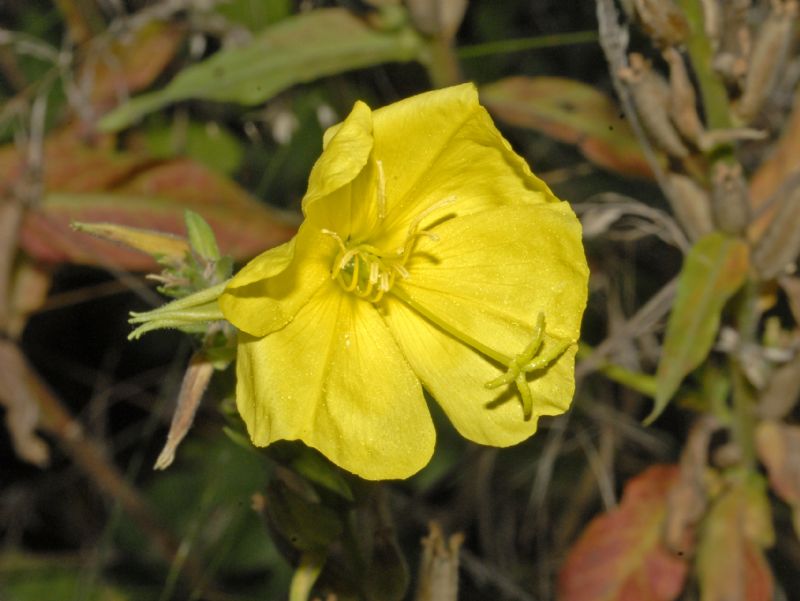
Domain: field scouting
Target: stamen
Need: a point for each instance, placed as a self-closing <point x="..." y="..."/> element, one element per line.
<point x="412" y="228"/>
<point x="336" y="237"/>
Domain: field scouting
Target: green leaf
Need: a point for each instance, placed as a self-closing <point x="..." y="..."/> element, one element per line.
<point x="714" y="270"/>
<point x="201" y="236"/>
<point x="208" y="143"/>
<point x="296" y="50"/>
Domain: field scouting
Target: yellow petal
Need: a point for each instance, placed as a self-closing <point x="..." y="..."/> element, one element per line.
<point x="486" y="279"/>
<point x="491" y="274"/>
<point x="344" y="157"/>
<point x="455" y="376"/>
<point x="335" y="379"/>
<point x="459" y="154"/>
<point x="269" y="291"/>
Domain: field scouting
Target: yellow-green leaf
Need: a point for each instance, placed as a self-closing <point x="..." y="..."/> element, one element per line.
<point x="296" y="50"/>
<point x="713" y="271"/>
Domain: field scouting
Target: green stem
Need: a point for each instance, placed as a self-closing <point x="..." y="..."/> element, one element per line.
<point x="712" y="90"/>
<point x="642" y="383"/>
<point x="743" y="415"/>
<point x="743" y="423"/>
<point x="442" y="63"/>
<point x="532" y="43"/>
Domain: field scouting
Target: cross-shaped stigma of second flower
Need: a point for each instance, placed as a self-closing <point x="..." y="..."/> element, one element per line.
<point x="529" y="360"/>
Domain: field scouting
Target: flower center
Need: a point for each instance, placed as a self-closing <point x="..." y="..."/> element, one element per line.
<point x="365" y="270"/>
<point x="369" y="272"/>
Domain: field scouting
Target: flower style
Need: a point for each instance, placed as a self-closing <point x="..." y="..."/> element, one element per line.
<point x="430" y="256"/>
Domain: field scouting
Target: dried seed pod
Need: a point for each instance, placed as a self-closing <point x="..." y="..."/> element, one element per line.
<point x="690" y="204"/>
<point x="768" y="57"/>
<point x="682" y="98"/>
<point x="779" y="245"/>
<point x="651" y="97"/>
<point x="663" y="21"/>
<point x="730" y="199"/>
<point x="733" y="50"/>
<point x="712" y="22"/>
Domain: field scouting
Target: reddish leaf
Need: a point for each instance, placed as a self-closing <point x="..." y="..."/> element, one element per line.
<point x="572" y="112"/>
<point x="129" y="63"/>
<point x="95" y="184"/>
<point x="621" y="556"/>
<point x="730" y="560"/>
<point x="71" y="164"/>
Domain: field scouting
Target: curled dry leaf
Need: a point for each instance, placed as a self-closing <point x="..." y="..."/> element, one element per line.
<point x="730" y="558"/>
<point x="778" y="448"/>
<point x="775" y="171"/>
<point x="22" y="408"/>
<point x="30" y="284"/>
<point x="572" y="112"/>
<point x="791" y="287"/>
<point x="621" y="554"/>
<point x="438" y="568"/>
<point x="782" y="391"/>
<point x="195" y="381"/>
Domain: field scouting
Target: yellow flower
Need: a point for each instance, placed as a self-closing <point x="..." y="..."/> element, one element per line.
<point x="430" y="256"/>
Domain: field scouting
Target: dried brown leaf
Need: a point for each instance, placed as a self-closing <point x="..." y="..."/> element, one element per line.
<point x="791" y="286"/>
<point x="195" y="381"/>
<point x="779" y="450"/>
<point x="438" y="570"/>
<point x="22" y="409"/>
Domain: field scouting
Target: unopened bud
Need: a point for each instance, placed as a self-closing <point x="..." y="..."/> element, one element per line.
<point x="691" y="205"/>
